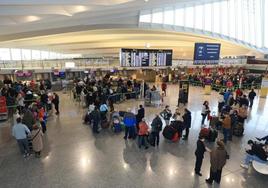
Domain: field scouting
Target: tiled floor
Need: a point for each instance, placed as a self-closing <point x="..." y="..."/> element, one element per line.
<point x="74" y="157"/>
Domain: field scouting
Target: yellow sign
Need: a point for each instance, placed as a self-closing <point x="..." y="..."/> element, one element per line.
<point x="207" y="89"/>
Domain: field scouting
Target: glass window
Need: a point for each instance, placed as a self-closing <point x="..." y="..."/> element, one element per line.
<point x="169" y="17"/>
<point x="4" y="54"/>
<point x="189" y="15"/>
<point x="26" y="54"/>
<point x="36" y="54"/>
<point x="179" y="17"/>
<point x="16" y="54"/>
<point x="266" y="24"/>
<point x="199" y="17"/>
<point x="258" y="20"/>
<point x="146" y="18"/>
<point x="44" y="55"/>
<point x="157" y="17"/>
<point x="216" y="17"/>
<point x="246" y="20"/>
<point x="208" y="18"/>
<point x="239" y="24"/>
<point x="224" y="17"/>
<point x="232" y="18"/>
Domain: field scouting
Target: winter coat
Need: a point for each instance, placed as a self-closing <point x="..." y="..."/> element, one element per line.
<point x="140" y="115"/>
<point x="187" y="119"/>
<point x="28" y="119"/>
<point x="95" y="116"/>
<point x="218" y="159"/>
<point x="166" y="114"/>
<point x="156" y="124"/>
<point x="143" y="128"/>
<point x="129" y="119"/>
<point x="37" y="136"/>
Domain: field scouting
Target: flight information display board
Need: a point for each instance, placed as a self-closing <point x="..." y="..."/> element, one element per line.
<point x="145" y="58"/>
<point x="207" y="53"/>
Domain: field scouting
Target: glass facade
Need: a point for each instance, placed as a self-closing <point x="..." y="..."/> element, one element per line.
<point x="242" y="20"/>
<point x="7" y="54"/>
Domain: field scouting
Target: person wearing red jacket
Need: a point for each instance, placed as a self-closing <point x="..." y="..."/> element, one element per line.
<point x="143" y="133"/>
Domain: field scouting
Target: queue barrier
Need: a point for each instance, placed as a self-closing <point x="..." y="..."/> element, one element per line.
<point x="220" y="88"/>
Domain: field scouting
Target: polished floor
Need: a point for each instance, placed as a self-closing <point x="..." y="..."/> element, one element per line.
<point x="74" y="157"/>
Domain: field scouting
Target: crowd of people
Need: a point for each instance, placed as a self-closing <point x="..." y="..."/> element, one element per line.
<point x="226" y="79"/>
<point x="29" y="105"/>
<point x="99" y="96"/>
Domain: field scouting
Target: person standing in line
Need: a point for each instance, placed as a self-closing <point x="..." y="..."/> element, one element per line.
<point x="187" y="120"/>
<point x="166" y="115"/>
<point x="143" y="132"/>
<point x="251" y="97"/>
<point x="129" y="122"/>
<point x="95" y="117"/>
<point x="20" y="132"/>
<point x="226" y="125"/>
<point x="56" y="101"/>
<point x="156" y="128"/>
<point x="218" y="157"/>
<point x="199" y="154"/>
<point x="37" y="140"/>
<point x="139" y="116"/>
<point x="205" y="111"/>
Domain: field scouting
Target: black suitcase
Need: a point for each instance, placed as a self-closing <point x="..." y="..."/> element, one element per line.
<point x="214" y="121"/>
<point x="238" y="130"/>
<point x="168" y="132"/>
<point x="213" y="134"/>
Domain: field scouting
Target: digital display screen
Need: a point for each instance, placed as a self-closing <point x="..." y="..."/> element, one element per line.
<point x="207" y="53"/>
<point x="145" y="58"/>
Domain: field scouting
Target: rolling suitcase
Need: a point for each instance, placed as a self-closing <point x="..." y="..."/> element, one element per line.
<point x="204" y="132"/>
<point x="168" y="132"/>
<point x="213" y="134"/>
<point x="214" y="120"/>
<point x="238" y="130"/>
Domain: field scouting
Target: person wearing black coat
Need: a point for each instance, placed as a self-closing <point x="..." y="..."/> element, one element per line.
<point x="156" y="128"/>
<point x="95" y="117"/>
<point x="139" y="116"/>
<point x="56" y="102"/>
<point x="187" y="120"/>
<point x="199" y="154"/>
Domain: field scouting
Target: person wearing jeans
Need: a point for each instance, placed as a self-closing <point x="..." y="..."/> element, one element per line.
<point x="226" y="125"/>
<point x="143" y="133"/>
<point x="256" y="153"/>
<point x="20" y="132"/>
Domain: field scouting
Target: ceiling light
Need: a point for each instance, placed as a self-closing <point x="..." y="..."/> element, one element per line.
<point x="80" y="8"/>
<point x="32" y="18"/>
<point x="147" y="45"/>
<point x="146" y="0"/>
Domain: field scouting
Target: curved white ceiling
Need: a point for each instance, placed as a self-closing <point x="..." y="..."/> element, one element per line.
<point x="95" y="27"/>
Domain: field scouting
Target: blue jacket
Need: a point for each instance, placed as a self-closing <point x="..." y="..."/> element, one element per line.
<point x="129" y="119"/>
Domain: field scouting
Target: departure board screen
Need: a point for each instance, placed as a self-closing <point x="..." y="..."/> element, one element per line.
<point x="145" y="58"/>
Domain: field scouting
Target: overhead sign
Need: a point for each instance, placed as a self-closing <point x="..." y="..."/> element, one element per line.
<point x="207" y="51"/>
<point x="145" y="57"/>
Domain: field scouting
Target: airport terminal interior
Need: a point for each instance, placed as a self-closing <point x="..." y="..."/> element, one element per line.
<point x="133" y="93"/>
